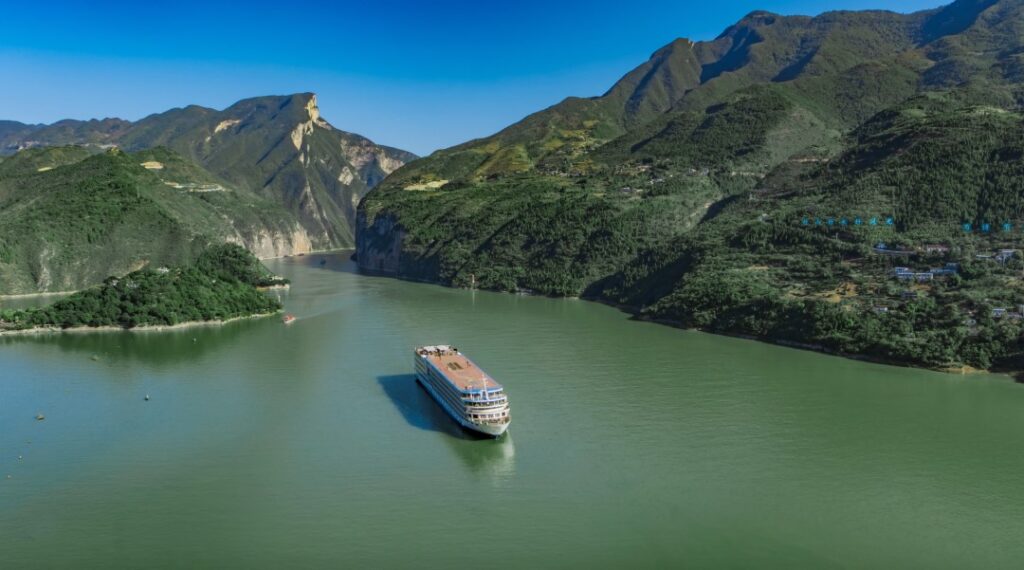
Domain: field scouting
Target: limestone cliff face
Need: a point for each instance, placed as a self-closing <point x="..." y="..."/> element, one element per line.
<point x="266" y="243"/>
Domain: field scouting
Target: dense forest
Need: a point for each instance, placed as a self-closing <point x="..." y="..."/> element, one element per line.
<point x="222" y="284"/>
<point x="71" y="216"/>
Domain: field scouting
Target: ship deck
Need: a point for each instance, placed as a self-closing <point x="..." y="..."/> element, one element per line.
<point x="462" y="372"/>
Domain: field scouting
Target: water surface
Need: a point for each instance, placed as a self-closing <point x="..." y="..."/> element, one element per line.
<point x="266" y="446"/>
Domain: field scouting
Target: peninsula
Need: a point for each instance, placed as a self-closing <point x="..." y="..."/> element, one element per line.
<point x="222" y="284"/>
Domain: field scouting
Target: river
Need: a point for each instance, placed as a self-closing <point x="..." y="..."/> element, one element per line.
<point x="633" y="444"/>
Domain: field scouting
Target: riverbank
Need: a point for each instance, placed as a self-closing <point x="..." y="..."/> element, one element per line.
<point x="638" y="314"/>
<point x="148" y="328"/>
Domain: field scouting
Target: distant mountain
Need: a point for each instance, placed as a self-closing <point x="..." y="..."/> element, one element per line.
<point x="72" y="216"/>
<point x="277" y="147"/>
<point x="693" y="188"/>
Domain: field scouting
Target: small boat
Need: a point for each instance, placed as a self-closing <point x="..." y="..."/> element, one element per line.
<point x="288" y="319"/>
<point x="468" y="394"/>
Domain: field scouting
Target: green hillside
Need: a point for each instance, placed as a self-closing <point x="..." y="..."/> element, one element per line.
<point x="683" y="191"/>
<point x="70" y="217"/>
<point x="278" y="148"/>
<point x="221" y="284"/>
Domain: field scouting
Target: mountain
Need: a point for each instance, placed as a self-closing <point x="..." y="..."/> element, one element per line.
<point x="72" y="216"/>
<point x="279" y="148"/>
<point x="692" y="190"/>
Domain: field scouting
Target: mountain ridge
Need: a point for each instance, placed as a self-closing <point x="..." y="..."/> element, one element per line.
<point x="689" y="190"/>
<point x="277" y="146"/>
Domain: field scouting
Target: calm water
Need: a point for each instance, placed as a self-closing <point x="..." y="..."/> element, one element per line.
<point x="633" y="444"/>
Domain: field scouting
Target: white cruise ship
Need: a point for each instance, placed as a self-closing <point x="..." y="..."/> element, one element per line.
<point x="466" y="392"/>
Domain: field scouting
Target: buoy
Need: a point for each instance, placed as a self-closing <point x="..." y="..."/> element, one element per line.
<point x="147" y="397"/>
<point x="40" y="417"/>
<point x="19" y="458"/>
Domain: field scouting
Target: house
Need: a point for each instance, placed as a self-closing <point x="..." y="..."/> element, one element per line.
<point x="908" y="295"/>
<point x="998" y="312"/>
<point x="941" y="271"/>
<point x="884" y="249"/>
<point x="923" y="277"/>
<point x="903" y="273"/>
<point x="881" y="310"/>
<point x="935" y="248"/>
<point x="1005" y="255"/>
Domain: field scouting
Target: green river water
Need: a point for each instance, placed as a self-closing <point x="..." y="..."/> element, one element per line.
<point x="632" y="444"/>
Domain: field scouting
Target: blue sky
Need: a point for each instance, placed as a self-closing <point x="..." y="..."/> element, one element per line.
<point x="417" y="75"/>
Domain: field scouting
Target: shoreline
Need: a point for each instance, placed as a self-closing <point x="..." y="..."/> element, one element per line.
<point x="142" y="329"/>
<point x="636" y="314"/>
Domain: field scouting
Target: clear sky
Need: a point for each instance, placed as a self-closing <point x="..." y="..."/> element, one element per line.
<point x="417" y="75"/>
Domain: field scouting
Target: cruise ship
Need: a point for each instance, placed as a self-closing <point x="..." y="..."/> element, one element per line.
<point x="466" y="392"/>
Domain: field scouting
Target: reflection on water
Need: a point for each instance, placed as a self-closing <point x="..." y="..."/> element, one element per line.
<point x="482" y="454"/>
<point x="147" y="346"/>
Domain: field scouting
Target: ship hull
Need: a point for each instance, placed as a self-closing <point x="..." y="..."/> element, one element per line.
<point x="491" y="430"/>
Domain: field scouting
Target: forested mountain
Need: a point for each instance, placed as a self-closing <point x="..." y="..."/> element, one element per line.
<point x="72" y="216"/>
<point x="279" y="148"/>
<point x="743" y="184"/>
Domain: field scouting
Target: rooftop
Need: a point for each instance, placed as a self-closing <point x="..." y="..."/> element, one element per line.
<point x="459" y="369"/>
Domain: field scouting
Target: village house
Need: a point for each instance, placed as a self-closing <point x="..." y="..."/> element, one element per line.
<point x="903" y="273"/>
<point x="1005" y="255"/>
<point x="884" y="249"/>
<point x="946" y="271"/>
<point x="935" y="248"/>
